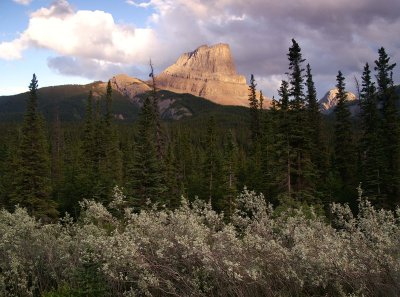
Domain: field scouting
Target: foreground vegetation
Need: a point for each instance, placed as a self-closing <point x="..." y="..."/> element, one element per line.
<point x="194" y="251"/>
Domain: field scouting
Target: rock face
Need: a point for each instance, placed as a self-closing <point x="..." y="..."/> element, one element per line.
<point x="129" y="86"/>
<point x="207" y="72"/>
<point x="329" y="101"/>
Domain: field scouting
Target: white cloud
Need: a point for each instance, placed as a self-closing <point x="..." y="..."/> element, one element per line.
<point x="23" y="2"/>
<point x="83" y="34"/>
<point x="12" y="50"/>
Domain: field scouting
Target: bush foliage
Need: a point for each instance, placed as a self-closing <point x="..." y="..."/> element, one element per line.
<point x="194" y="251"/>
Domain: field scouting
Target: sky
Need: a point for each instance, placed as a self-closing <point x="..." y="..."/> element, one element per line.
<point x="79" y="41"/>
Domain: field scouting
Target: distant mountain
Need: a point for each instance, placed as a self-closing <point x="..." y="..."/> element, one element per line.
<point x="207" y="72"/>
<point x="128" y="95"/>
<point x="329" y="101"/>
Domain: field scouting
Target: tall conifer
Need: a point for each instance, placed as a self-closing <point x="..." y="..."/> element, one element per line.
<point x="344" y="147"/>
<point x="32" y="184"/>
<point x="391" y="126"/>
<point x="371" y="142"/>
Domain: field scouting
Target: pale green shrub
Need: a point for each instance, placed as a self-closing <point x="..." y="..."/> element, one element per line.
<point x="192" y="251"/>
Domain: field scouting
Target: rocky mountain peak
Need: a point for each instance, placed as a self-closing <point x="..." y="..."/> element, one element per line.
<point x="329" y="101"/>
<point x="129" y="86"/>
<point x="209" y="72"/>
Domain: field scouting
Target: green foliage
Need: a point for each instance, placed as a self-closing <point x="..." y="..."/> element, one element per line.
<point x="193" y="251"/>
<point x="391" y="126"/>
<point x="32" y="176"/>
<point x="344" y="147"/>
<point x="254" y="111"/>
<point x="371" y="142"/>
<point x="146" y="179"/>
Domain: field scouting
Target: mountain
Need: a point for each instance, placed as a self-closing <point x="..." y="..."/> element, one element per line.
<point x="329" y="101"/>
<point x="69" y="101"/>
<point x="208" y="72"/>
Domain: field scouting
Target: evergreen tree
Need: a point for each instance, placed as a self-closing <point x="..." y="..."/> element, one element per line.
<point x="159" y="131"/>
<point x="57" y="156"/>
<point x="371" y="142"/>
<point x="303" y="170"/>
<point x="88" y="141"/>
<point x="107" y="163"/>
<point x="230" y="163"/>
<point x="282" y="154"/>
<point x="344" y="148"/>
<point x="146" y="180"/>
<point x="113" y="159"/>
<point x="391" y="126"/>
<point x="32" y="184"/>
<point x="317" y="142"/>
<point x="254" y="112"/>
<point x="384" y="70"/>
<point x="211" y="161"/>
<point x="261" y="101"/>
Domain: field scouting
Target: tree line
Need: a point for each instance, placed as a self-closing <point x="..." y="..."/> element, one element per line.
<point x="291" y="153"/>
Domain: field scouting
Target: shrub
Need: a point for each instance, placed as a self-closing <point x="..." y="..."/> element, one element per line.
<point x="194" y="251"/>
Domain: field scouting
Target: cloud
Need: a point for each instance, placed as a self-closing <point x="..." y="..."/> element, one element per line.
<point x="89" y="68"/>
<point x="82" y="34"/>
<point x="23" y="2"/>
<point x="333" y="34"/>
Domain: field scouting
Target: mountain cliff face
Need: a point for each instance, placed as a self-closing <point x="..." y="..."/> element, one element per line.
<point x="129" y="86"/>
<point x="207" y="72"/>
<point x="329" y="101"/>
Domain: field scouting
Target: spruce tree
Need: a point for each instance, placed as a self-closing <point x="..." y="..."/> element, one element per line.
<point x="229" y="167"/>
<point x="282" y="154"/>
<point x="32" y="184"/>
<point x="254" y="111"/>
<point x="211" y="160"/>
<point x="303" y="170"/>
<point x="146" y="180"/>
<point x="391" y="126"/>
<point x="317" y="143"/>
<point x="113" y="157"/>
<point x="88" y="141"/>
<point x="107" y="165"/>
<point x="344" y="147"/>
<point x="371" y="142"/>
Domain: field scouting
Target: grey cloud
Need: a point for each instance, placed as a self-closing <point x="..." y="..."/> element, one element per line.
<point x="58" y="8"/>
<point x="333" y="34"/>
<point x="91" y="69"/>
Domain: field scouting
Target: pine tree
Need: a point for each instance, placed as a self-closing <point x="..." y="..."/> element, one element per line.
<point x="344" y="148"/>
<point x="32" y="184"/>
<point x="371" y="142"/>
<point x="230" y="163"/>
<point x="211" y="160"/>
<point x="303" y="170"/>
<point x="317" y="142"/>
<point x="57" y="156"/>
<point x="146" y="180"/>
<point x="113" y="157"/>
<point x="107" y="164"/>
<point x="296" y="78"/>
<point x="261" y="100"/>
<point x="254" y="111"/>
<point x="391" y="126"/>
<point x="159" y="132"/>
<point x="88" y="141"/>
<point x="282" y="154"/>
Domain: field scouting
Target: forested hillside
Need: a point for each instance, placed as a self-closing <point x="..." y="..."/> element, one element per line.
<point x="290" y="153"/>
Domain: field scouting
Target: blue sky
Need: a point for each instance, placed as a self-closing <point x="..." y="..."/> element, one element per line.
<point x="77" y="41"/>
